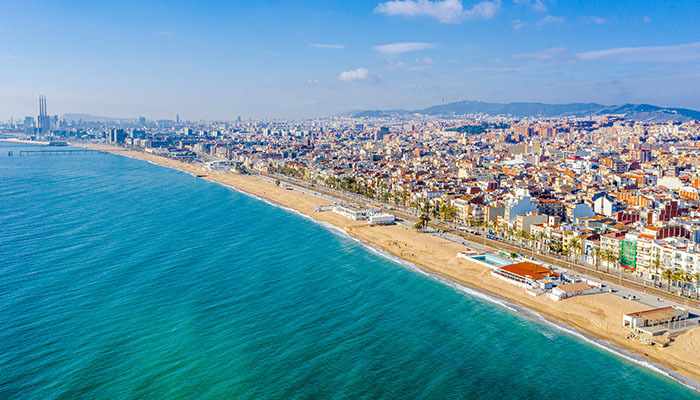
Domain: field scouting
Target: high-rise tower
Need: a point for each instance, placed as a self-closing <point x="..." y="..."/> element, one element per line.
<point x="43" y="121"/>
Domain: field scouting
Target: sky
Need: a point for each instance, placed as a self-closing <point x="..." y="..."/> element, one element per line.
<point x="297" y="59"/>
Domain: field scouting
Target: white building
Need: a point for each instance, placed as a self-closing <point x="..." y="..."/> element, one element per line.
<point x="521" y="203"/>
<point x="352" y="212"/>
<point x="381" y="219"/>
<point x="606" y="205"/>
<point x="562" y="292"/>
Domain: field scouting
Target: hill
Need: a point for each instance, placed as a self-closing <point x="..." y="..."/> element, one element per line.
<point x="637" y="112"/>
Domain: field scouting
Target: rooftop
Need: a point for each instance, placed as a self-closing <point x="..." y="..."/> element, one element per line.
<point x="529" y="269"/>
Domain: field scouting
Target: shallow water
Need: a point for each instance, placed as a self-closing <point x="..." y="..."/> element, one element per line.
<point x="122" y="279"/>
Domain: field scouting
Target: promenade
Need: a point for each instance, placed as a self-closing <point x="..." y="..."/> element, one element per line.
<point x="622" y="282"/>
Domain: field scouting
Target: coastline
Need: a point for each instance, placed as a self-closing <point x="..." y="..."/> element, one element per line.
<point x="595" y="319"/>
<point x="23" y="141"/>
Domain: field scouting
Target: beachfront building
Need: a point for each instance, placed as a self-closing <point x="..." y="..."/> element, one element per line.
<point x="524" y="274"/>
<point x="524" y="222"/>
<point x="353" y="212"/>
<point x="562" y="292"/>
<point x="655" y="321"/>
<point x="470" y="208"/>
<point x="381" y="219"/>
<point x="674" y="253"/>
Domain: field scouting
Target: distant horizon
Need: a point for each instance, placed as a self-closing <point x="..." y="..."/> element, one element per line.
<point x="245" y="119"/>
<point x="296" y="60"/>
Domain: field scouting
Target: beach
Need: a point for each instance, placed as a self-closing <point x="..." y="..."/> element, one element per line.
<point x="596" y="316"/>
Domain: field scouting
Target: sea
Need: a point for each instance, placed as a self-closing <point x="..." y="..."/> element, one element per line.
<point x="121" y="279"/>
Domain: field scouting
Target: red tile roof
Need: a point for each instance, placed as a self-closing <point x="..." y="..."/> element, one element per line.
<point x="526" y="268"/>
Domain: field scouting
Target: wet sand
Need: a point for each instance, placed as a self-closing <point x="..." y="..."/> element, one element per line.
<point x="598" y="316"/>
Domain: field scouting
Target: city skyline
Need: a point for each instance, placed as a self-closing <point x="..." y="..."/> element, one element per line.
<point x="283" y="60"/>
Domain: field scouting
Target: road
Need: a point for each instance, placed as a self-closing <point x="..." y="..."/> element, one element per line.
<point x="618" y="280"/>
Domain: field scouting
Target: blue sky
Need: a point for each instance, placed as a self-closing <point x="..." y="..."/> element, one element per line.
<point x="294" y="59"/>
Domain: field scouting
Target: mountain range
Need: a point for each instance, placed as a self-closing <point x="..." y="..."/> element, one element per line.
<point x="637" y="112"/>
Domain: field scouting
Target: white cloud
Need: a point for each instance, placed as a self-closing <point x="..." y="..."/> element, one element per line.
<point x="536" y="5"/>
<point x="422" y="63"/>
<point x="653" y="54"/>
<point x="327" y="46"/>
<point x="555" y="55"/>
<point x="517" y="24"/>
<point x="164" y="33"/>
<point x="402" y="47"/>
<point x="551" y="19"/>
<point x="357" y="75"/>
<point x="596" y="20"/>
<point x="680" y="53"/>
<point x="271" y="53"/>
<point x="445" y="11"/>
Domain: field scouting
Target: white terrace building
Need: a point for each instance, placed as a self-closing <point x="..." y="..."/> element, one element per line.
<point x="675" y="253"/>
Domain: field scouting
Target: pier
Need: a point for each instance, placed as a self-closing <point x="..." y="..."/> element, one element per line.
<point x="58" y="152"/>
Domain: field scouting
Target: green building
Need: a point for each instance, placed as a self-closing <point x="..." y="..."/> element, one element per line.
<point x="628" y="254"/>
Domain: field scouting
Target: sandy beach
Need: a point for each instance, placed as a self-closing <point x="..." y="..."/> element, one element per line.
<point x="597" y="316"/>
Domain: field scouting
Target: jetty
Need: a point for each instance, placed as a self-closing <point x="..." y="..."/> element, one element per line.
<point x="59" y="152"/>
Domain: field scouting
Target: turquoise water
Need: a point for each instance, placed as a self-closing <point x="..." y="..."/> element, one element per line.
<point x="120" y="279"/>
<point x="493" y="260"/>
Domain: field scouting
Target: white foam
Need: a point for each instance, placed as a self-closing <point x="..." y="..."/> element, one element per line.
<point x="610" y="348"/>
<point x="533" y="315"/>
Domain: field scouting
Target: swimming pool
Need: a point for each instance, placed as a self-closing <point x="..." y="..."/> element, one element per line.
<point x="492" y="260"/>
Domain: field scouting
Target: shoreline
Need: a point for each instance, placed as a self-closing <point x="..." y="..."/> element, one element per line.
<point x="678" y="364"/>
<point x="24" y="141"/>
<point x="486" y="296"/>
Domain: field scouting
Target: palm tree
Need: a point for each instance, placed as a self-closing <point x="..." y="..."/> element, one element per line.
<point x="687" y="277"/>
<point x="656" y="264"/>
<point x="414" y="204"/>
<point x="668" y="275"/>
<point x="521" y="234"/>
<point x="565" y="251"/>
<point x="678" y="276"/>
<point x="404" y="197"/>
<point x="470" y="221"/>
<point x="539" y="238"/>
<point x="396" y="197"/>
<point x="435" y="211"/>
<point x="502" y="230"/>
<point x="615" y="259"/>
<point x="546" y="242"/>
<point x="493" y="225"/>
<point x="422" y="222"/>
<point x="449" y="213"/>
<point x="596" y="254"/>
<point x="576" y="249"/>
<point x="555" y="247"/>
<point x="606" y="255"/>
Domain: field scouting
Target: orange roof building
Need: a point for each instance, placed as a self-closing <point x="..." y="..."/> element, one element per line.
<point x="525" y="272"/>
